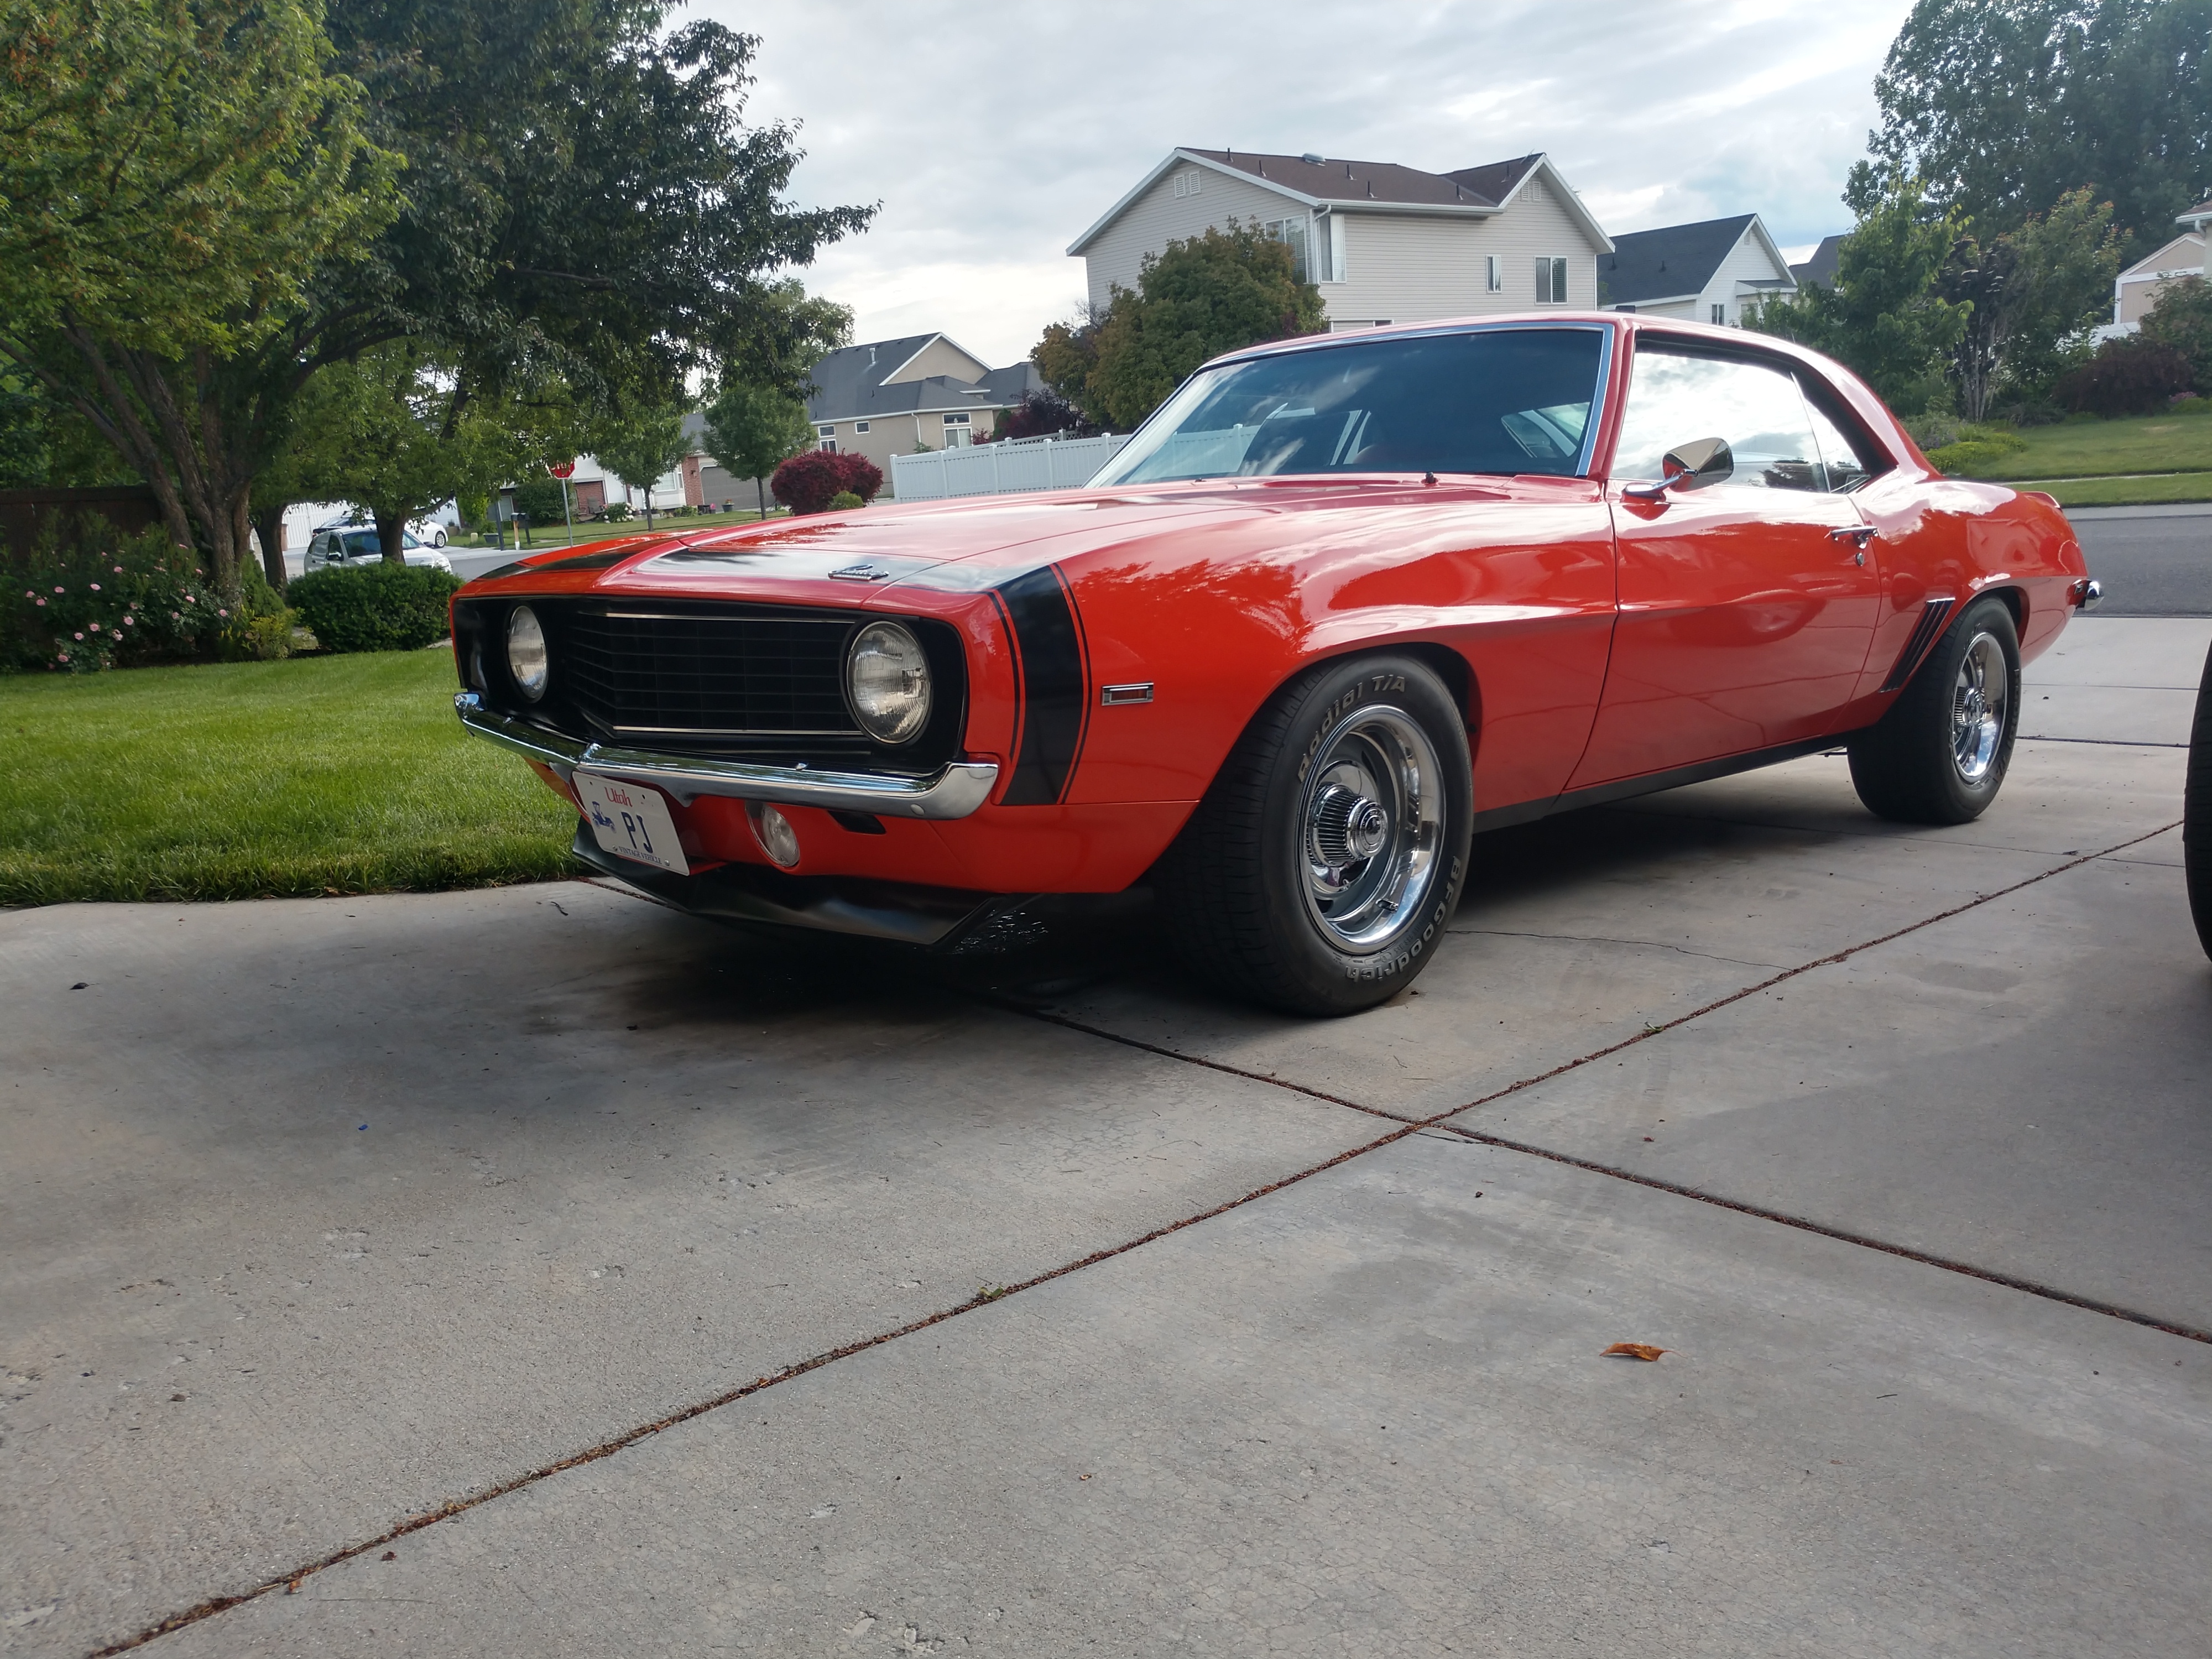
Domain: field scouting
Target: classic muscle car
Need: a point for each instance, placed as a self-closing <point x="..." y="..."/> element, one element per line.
<point x="1341" y="603"/>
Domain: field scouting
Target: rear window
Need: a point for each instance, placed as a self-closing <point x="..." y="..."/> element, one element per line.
<point x="1495" y="401"/>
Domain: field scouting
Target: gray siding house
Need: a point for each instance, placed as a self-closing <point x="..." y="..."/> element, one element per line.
<point x="1384" y="243"/>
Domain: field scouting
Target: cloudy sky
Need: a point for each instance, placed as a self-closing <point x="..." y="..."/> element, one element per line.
<point x="992" y="134"/>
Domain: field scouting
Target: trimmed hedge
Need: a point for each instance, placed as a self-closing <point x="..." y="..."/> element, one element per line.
<point x="377" y="607"/>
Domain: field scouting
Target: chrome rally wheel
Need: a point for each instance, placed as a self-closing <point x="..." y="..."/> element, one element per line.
<point x="1939" y="754"/>
<point x="1981" y="707"/>
<point x="1372" y="818"/>
<point x="1320" y="869"/>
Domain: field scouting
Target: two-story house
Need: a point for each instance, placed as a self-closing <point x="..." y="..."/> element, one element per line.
<point x="1712" y="271"/>
<point x="1384" y="243"/>
<point x="2135" y="289"/>
<point x="924" y="391"/>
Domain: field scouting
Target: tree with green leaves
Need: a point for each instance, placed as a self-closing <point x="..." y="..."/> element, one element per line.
<point x="753" y="430"/>
<point x="2182" y="319"/>
<point x="581" y="201"/>
<point x="1195" y="299"/>
<point x="641" y="445"/>
<point x="177" y="175"/>
<point x="1883" y="317"/>
<point x="2001" y="107"/>
<point x="2029" y="291"/>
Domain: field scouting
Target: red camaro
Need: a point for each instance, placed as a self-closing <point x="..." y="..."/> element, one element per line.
<point x="1341" y="603"/>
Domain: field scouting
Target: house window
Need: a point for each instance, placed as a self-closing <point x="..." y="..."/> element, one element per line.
<point x="859" y="426"/>
<point x="825" y="431"/>
<point x="1551" y="282"/>
<point x="1719" y="313"/>
<point x="1328" y="241"/>
<point x="1186" y="184"/>
<point x="961" y="417"/>
<point x="1496" y="273"/>
<point x="1296" y="234"/>
<point x="828" y="446"/>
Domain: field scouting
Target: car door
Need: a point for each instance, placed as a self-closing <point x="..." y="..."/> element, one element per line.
<point x="1747" y="606"/>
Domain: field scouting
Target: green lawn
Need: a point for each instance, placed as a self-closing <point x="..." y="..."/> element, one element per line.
<point x="241" y="780"/>
<point x="2084" y="449"/>
<point x="2124" y="492"/>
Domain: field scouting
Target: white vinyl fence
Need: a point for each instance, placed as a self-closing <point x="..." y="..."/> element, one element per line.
<point x="1002" y="469"/>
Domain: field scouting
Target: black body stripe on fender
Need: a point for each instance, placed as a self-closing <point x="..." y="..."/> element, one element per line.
<point x="1050" y="647"/>
<point x="1924" y="636"/>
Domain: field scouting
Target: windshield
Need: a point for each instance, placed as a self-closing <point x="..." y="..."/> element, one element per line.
<point x="1500" y="400"/>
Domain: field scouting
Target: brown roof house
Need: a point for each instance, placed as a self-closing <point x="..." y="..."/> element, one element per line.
<point x="1384" y="243"/>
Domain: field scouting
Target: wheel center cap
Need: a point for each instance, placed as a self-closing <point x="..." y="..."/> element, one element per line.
<point x="1347" y="827"/>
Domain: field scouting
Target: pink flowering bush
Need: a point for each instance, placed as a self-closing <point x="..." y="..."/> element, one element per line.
<point x="109" y="601"/>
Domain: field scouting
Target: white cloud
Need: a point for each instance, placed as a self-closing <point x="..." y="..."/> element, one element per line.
<point x="993" y="135"/>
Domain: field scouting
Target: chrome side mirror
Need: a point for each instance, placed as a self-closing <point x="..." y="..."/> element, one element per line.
<point x="1694" y="465"/>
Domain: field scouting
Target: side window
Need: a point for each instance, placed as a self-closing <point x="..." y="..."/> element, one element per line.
<point x="1677" y="398"/>
<point x="1844" y="464"/>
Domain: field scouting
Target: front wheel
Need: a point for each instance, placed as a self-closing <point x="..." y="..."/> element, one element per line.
<point x="1939" y="756"/>
<point x="1319" y="870"/>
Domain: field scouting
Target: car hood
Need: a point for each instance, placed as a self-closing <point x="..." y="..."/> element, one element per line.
<point x="971" y="545"/>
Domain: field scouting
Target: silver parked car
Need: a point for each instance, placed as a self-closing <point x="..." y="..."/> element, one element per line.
<point x="338" y="546"/>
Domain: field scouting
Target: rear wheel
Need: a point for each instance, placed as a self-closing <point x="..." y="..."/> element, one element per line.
<point x="1318" y="873"/>
<point x="2197" y="813"/>
<point x="1940" y="754"/>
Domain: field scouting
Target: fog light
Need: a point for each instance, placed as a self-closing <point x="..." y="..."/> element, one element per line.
<point x="526" y="652"/>
<point x="775" y="834"/>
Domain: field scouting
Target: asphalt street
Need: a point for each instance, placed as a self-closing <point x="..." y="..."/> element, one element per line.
<point x="2153" y="561"/>
<point x="538" y="1272"/>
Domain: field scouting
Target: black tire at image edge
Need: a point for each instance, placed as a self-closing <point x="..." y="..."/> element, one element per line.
<point x="2196" y="813"/>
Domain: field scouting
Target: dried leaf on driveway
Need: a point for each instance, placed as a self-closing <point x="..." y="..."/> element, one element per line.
<point x="1633" y="1351"/>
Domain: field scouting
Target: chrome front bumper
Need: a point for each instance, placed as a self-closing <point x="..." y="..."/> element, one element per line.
<point x="953" y="793"/>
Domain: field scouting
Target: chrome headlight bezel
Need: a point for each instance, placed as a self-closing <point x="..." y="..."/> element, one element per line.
<point x="888" y="684"/>
<point x="529" y="661"/>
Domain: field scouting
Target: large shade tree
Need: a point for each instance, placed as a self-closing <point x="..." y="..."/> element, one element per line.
<point x="2002" y="107"/>
<point x="581" y="198"/>
<point x="1195" y="299"/>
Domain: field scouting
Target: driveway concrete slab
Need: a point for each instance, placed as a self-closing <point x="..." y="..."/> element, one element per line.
<point x="317" y="1214"/>
<point x="1584" y="930"/>
<point x="1368" y="1415"/>
<point x="2118" y="679"/>
<point x="2026" y="1088"/>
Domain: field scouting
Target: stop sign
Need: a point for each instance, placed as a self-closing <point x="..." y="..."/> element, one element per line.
<point x="561" y="469"/>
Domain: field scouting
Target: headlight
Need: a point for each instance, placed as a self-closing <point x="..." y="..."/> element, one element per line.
<point x="887" y="677"/>
<point x="525" y="652"/>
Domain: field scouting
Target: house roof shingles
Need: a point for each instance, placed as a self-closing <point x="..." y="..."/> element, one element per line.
<point x="1667" y="263"/>
<point x="1341" y="180"/>
<point x="848" y="383"/>
<point x="1821" y="269"/>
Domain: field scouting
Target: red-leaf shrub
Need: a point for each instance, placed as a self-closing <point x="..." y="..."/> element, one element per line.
<point x="805" y="483"/>
<point x="2128" y="376"/>
<point x="862" y="475"/>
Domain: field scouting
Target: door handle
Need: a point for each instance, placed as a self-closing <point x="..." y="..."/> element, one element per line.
<point x="1860" y="534"/>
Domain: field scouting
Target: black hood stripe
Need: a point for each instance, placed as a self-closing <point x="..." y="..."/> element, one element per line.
<point x="1055" y="685"/>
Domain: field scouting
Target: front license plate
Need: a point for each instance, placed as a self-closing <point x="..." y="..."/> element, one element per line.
<point x="631" y="822"/>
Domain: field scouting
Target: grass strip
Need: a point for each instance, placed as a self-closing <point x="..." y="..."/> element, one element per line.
<point x="2142" y="491"/>
<point x="2102" y="449"/>
<point x="345" y="774"/>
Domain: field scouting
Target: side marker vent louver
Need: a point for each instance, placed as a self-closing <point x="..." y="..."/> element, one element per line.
<point x="1924" y="636"/>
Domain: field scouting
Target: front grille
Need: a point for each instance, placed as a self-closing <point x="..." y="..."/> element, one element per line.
<point x="649" y="672"/>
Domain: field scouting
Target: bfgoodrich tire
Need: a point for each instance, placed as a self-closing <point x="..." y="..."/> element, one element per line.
<point x="1319" y="870"/>
<point x="2197" y="813"/>
<point x="1941" y="753"/>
